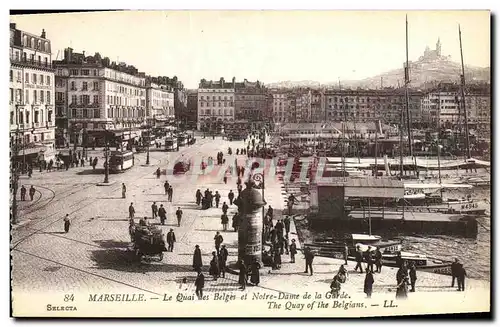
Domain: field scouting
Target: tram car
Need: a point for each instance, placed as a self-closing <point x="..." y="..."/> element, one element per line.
<point x="120" y="161"/>
<point x="171" y="143"/>
<point x="182" y="139"/>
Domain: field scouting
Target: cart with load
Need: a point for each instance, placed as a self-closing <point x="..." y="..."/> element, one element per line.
<point x="148" y="241"/>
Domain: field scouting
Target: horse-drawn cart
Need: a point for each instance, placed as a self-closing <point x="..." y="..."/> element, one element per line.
<point x="148" y="241"/>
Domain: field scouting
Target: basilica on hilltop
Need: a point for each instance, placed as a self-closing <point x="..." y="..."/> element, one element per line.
<point x="433" y="55"/>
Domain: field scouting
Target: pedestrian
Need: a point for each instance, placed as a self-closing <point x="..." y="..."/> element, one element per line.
<point x="224" y="179"/>
<point x="154" y="210"/>
<point x="461" y="274"/>
<point x="178" y="213"/>
<point x="242" y="276"/>
<point x="309" y="259"/>
<point x="223" y="255"/>
<point x="90" y="160"/>
<point x="286" y="222"/>
<point x="217" y="199"/>
<point x="230" y="196"/>
<point x="279" y="228"/>
<point x="32" y="192"/>
<point x="359" y="259"/>
<point x="82" y="162"/>
<point x="67" y="223"/>
<point x="240" y="188"/>
<point x="224" y="208"/>
<point x="214" y="266"/>
<point x="254" y="271"/>
<point x="346" y="253"/>
<point x="199" y="284"/>
<point x="290" y="203"/>
<point x="131" y="210"/>
<point x="210" y="199"/>
<point x="277" y="258"/>
<point x="171" y="240"/>
<point x="23" y="193"/>
<point x="402" y="282"/>
<point x="158" y="172"/>
<point x="224" y="221"/>
<point x="170" y="193"/>
<point x="166" y="185"/>
<point x="198" y="197"/>
<point x="369" y="259"/>
<point x="124" y="190"/>
<point x="162" y="213"/>
<point x="274" y="237"/>
<point x="335" y="286"/>
<point x="270" y="212"/>
<point x="197" y="262"/>
<point x="286" y="244"/>
<point x="293" y="251"/>
<point x="378" y="260"/>
<point x="218" y="239"/>
<point x="235" y="222"/>
<point x="413" y="276"/>
<point x="454" y="271"/>
<point x="368" y="283"/>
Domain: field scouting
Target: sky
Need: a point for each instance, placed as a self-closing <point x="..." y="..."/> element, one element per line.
<point x="269" y="46"/>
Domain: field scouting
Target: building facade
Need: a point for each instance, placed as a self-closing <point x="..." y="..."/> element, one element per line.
<point x="95" y="95"/>
<point x="318" y="112"/>
<point x="215" y="104"/>
<point x="250" y="101"/>
<point x="31" y="94"/>
<point x="159" y="103"/>
<point x="280" y="106"/>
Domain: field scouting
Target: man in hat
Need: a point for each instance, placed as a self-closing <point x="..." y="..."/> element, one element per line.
<point x="309" y="260"/>
<point x="200" y="284"/>
<point x="171" y="240"/>
<point x="131" y="210"/>
<point x="359" y="259"/>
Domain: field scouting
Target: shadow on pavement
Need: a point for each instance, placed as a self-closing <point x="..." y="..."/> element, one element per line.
<point x="119" y="219"/>
<point x="112" y="244"/>
<point x="208" y="230"/>
<point x="98" y="171"/>
<point x="121" y="259"/>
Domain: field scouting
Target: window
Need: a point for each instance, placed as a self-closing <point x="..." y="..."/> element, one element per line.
<point x="85" y="72"/>
<point x="19" y="76"/>
<point x="84" y="86"/>
<point x="12" y="117"/>
<point x="11" y="76"/>
<point x="96" y="99"/>
<point x="32" y="57"/>
<point x="96" y="86"/>
<point x="34" y="97"/>
<point x="41" y="79"/>
<point x="36" y="117"/>
<point x="48" y="80"/>
<point x="95" y="72"/>
<point x="39" y="59"/>
<point x="48" y="97"/>
<point x="85" y="99"/>
<point x="27" y="77"/>
<point x="11" y="95"/>
<point x="73" y="113"/>
<point x="19" y="96"/>
<point x="97" y="113"/>
<point x="33" y="78"/>
<point x="27" y="97"/>
<point x="73" y="87"/>
<point x="74" y="99"/>
<point x="41" y="96"/>
<point x="74" y="71"/>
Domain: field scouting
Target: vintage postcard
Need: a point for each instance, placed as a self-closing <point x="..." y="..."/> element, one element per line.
<point x="250" y="163"/>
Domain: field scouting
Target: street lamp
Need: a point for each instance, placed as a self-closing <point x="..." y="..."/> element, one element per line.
<point x="106" y="158"/>
<point x="148" y="144"/>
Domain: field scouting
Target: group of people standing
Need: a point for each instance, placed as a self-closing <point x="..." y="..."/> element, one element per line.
<point x="23" y="191"/>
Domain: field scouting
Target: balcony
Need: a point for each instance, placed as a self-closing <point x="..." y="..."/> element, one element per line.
<point x="31" y="63"/>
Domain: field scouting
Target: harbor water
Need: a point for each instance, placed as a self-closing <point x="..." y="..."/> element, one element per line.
<point x="473" y="253"/>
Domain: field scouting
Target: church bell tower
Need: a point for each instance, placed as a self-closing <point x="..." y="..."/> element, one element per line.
<point x="438" y="48"/>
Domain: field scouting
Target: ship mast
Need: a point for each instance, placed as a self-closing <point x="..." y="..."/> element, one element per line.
<point x="407" y="99"/>
<point x="462" y="79"/>
<point x="343" y="136"/>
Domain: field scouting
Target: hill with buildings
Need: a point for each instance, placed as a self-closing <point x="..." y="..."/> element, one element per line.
<point x="429" y="69"/>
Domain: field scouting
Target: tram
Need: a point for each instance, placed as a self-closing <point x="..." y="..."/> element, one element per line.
<point x="171" y="143"/>
<point x="116" y="159"/>
<point x="182" y="139"/>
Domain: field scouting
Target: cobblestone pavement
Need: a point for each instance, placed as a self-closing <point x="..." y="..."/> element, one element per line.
<point x="95" y="255"/>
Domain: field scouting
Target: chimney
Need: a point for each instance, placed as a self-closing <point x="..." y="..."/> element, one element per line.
<point x="43" y="34"/>
<point x="13" y="26"/>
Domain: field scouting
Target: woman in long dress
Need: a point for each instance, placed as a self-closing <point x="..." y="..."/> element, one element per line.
<point x="255" y="277"/>
<point x="214" y="266"/>
<point x="402" y="280"/>
<point x="197" y="263"/>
